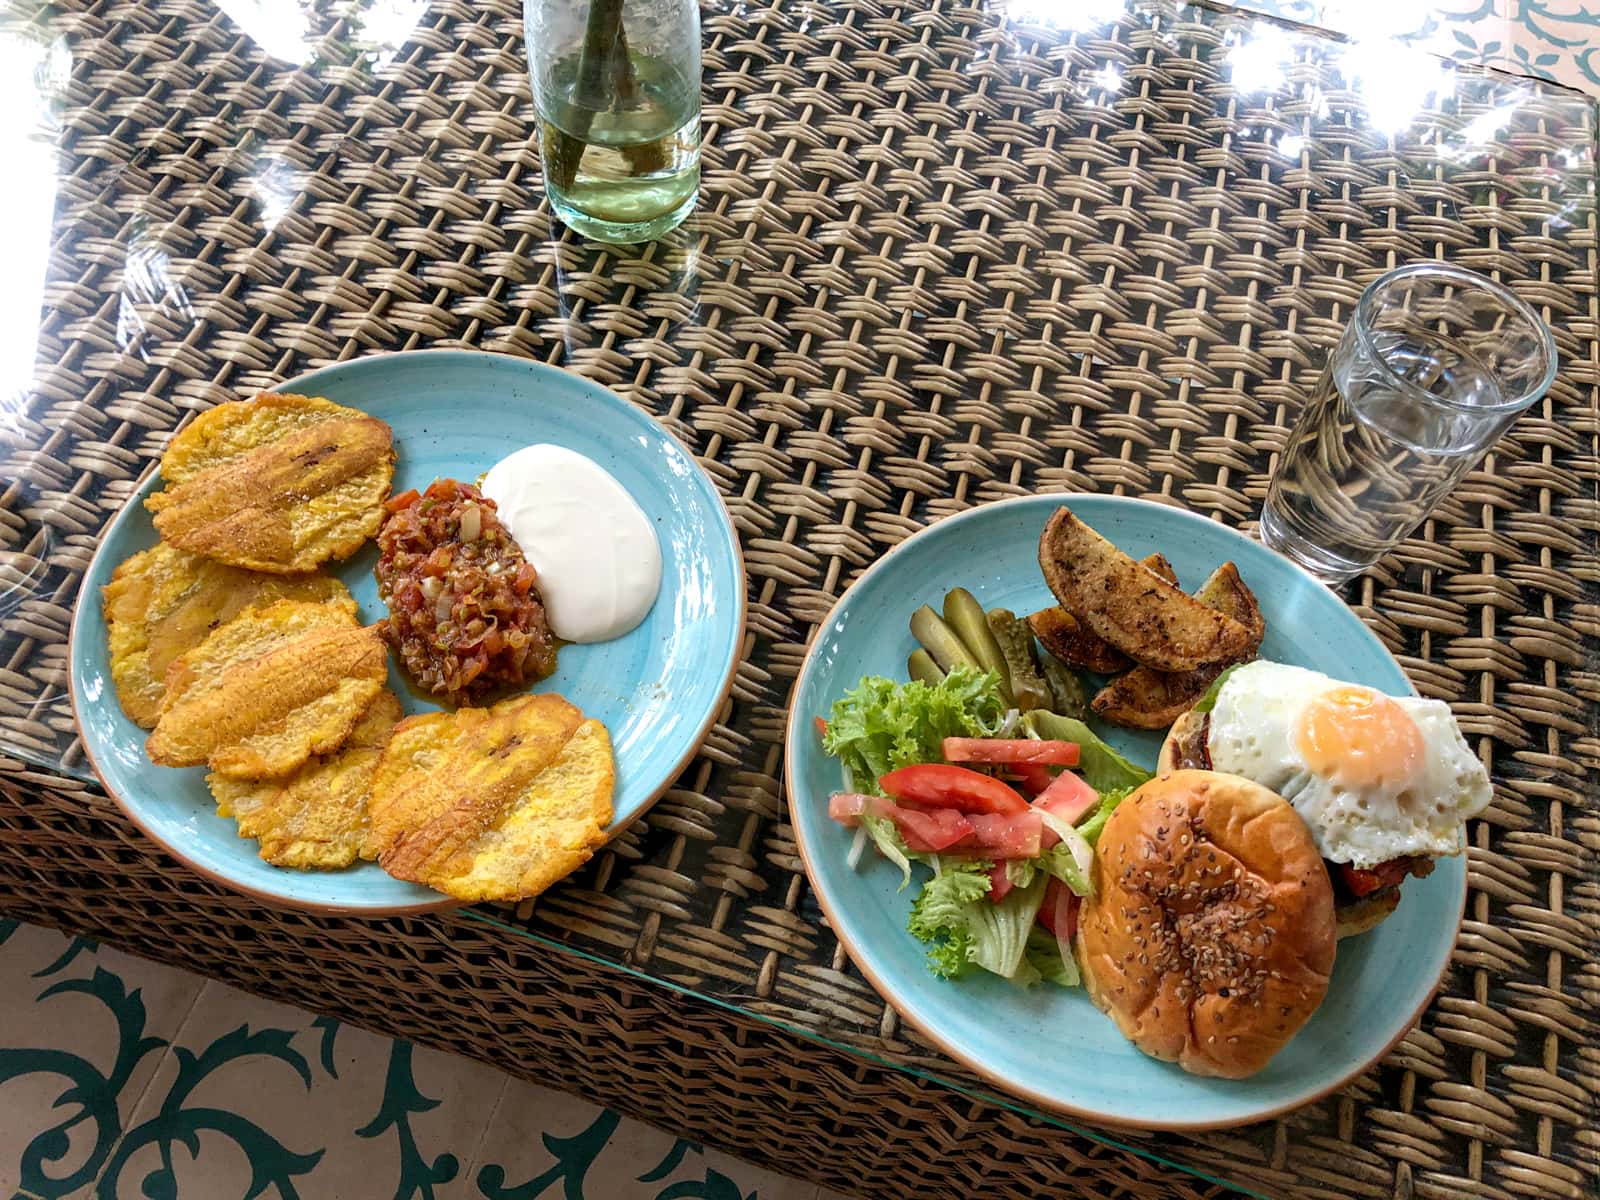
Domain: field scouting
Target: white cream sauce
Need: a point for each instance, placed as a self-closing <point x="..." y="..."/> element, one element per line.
<point x="596" y="551"/>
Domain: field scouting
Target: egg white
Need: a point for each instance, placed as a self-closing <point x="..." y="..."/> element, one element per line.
<point x="1252" y="733"/>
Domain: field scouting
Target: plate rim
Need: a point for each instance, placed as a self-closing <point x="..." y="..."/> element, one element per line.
<point x="442" y="902"/>
<point x="794" y="731"/>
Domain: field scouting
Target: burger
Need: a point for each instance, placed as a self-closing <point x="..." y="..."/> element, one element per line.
<point x="1209" y="934"/>
<point x="1384" y="784"/>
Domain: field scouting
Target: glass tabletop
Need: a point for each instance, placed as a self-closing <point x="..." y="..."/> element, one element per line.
<point x="943" y="255"/>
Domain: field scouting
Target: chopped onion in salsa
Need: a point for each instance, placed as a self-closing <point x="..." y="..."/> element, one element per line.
<point x="465" y="613"/>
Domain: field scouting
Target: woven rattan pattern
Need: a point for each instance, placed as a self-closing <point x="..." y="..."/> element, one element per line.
<point x="941" y="259"/>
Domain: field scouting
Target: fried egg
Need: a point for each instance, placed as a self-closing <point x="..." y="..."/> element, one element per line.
<point x="1374" y="777"/>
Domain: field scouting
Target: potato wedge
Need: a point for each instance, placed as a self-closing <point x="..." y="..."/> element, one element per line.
<point x="1140" y="614"/>
<point x="1065" y="637"/>
<point x="1147" y="699"/>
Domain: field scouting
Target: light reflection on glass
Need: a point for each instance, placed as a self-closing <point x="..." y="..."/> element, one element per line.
<point x="146" y="282"/>
<point x="381" y="29"/>
<point x="1261" y="63"/>
<point x="33" y="76"/>
<point x="276" y="184"/>
<point x="282" y="28"/>
<point x="1480" y="135"/>
<point x="1082" y="15"/>
<point x="1395" y="83"/>
<point x="1109" y="79"/>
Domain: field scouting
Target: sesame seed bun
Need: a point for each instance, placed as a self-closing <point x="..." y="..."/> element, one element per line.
<point x="1353" y="915"/>
<point x="1210" y="936"/>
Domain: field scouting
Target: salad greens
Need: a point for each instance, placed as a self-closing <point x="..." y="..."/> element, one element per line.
<point x="1102" y="768"/>
<point x="880" y="726"/>
<point x="966" y="928"/>
<point x="1209" y="700"/>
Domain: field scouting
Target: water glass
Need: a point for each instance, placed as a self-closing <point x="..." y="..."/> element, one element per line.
<point x="616" y="85"/>
<point x="1435" y="364"/>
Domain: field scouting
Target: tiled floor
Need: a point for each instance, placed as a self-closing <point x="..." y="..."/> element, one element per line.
<point x="124" y="1078"/>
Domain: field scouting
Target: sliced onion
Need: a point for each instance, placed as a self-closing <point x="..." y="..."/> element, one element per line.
<point x="858" y="845"/>
<point x="471" y="522"/>
<point x="1077" y="845"/>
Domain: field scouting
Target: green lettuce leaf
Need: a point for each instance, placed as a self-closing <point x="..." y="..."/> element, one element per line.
<point x="939" y="916"/>
<point x="1102" y="813"/>
<point x="1000" y="931"/>
<point x="1209" y="700"/>
<point x="1101" y="767"/>
<point x="1042" y="956"/>
<point x="879" y="725"/>
<point x="886" y="836"/>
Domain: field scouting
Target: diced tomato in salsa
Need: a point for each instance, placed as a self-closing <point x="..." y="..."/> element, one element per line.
<point x="1011" y="750"/>
<point x="939" y="785"/>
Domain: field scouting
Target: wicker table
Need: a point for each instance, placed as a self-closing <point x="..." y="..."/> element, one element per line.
<point x="944" y="255"/>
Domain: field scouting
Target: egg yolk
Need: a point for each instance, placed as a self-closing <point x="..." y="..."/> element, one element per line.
<point x="1360" y="738"/>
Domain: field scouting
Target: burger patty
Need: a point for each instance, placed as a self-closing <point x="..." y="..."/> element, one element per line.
<point x="1351" y="886"/>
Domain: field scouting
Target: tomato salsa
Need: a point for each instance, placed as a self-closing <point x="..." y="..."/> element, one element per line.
<point x="465" y="613"/>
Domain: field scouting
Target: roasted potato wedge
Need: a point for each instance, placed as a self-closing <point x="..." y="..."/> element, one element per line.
<point x="1148" y="699"/>
<point x="1065" y="637"/>
<point x="1140" y="614"/>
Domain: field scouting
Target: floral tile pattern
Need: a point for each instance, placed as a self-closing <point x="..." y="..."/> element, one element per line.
<point x="124" y="1078"/>
<point x="1558" y="40"/>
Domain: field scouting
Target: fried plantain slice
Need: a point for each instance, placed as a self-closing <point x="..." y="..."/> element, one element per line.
<point x="268" y="690"/>
<point x="492" y="803"/>
<point x="1141" y="615"/>
<point x="164" y="601"/>
<point x="1068" y="641"/>
<point x="316" y="817"/>
<point x="277" y="483"/>
<point x="1147" y="699"/>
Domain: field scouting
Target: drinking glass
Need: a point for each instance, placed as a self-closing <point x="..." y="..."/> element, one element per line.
<point x="616" y="85"/>
<point x="1435" y="364"/>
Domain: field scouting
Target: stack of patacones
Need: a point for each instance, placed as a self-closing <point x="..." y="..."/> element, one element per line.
<point x="237" y="653"/>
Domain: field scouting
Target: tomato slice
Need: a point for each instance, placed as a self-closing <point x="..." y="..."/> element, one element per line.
<point x="847" y="807"/>
<point x="1068" y="797"/>
<point x="926" y="829"/>
<point x="1005" y="835"/>
<point x="822" y="727"/>
<point x="1385" y="874"/>
<point x="1011" y="750"/>
<point x="999" y="882"/>
<point x="931" y="829"/>
<point x="396" y="503"/>
<point x="939" y="785"/>
<point x="1059" y="912"/>
<point x="1034" y="777"/>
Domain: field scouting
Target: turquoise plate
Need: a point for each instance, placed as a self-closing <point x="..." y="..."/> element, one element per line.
<point x="1050" y="1045"/>
<point x="456" y="413"/>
